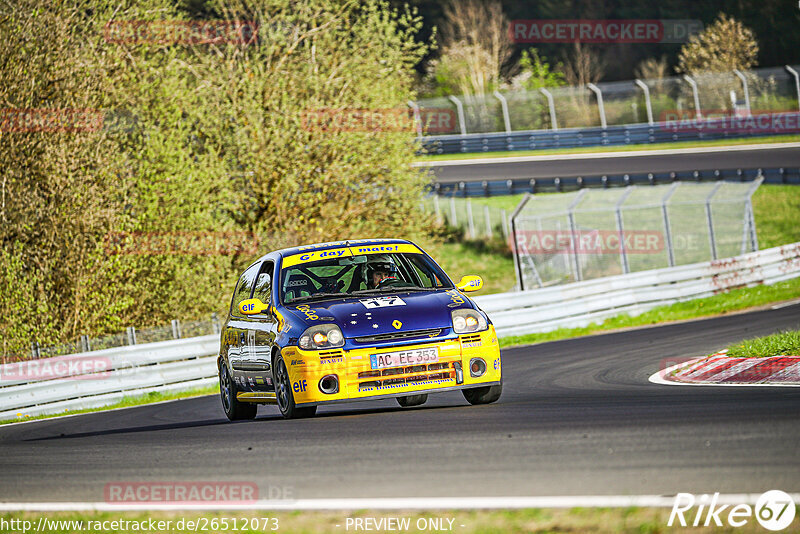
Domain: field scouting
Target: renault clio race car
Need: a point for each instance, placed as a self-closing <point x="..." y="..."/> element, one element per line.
<point x="354" y="320"/>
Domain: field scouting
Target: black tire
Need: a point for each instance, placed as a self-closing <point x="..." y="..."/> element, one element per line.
<point x="284" y="395"/>
<point x="412" y="400"/>
<point x="483" y="395"/>
<point x="233" y="408"/>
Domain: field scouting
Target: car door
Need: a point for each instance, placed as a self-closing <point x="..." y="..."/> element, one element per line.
<point x="236" y="329"/>
<point x="261" y="333"/>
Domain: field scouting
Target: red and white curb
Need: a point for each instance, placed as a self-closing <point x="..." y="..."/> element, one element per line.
<point x="722" y="370"/>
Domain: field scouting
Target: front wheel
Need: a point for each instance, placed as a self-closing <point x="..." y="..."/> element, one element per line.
<point x="483" y="395"/>
<point x="284" y="396"/>
<point x="412" y="400"/>
<point x="234" y="409"/>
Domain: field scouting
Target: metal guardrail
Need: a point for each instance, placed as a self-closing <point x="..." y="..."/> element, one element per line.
<point x="631" y="134"/>
<point x="582" y="303"/>
<point x="189" y="363"/>
<point x="488" y="188"/>
<point x="100" y="378"/>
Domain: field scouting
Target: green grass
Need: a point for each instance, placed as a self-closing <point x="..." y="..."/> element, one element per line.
<point x="491" y="263"/>
<point x="782" y="344"/>
<point x="777" y="212"/>
<point x="625" y="148"/>
<point x="734" y="300"/>
<point x="137" y="400"/>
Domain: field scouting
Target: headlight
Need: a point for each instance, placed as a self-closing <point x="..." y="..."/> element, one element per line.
<point x="465" y="321"/>
<point x="323" y="336"/>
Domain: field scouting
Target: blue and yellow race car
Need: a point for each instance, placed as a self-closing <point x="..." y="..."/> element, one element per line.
<point x="353" y="320"/>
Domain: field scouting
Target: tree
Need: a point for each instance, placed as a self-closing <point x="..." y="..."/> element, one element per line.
<point x="475" y="48"/>
<point x="535" y="72"/>
<point x="722" y="47"/>
<point x="219" y="143"/>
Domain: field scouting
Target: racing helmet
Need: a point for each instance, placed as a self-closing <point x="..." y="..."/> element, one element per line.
<point x="380" y="263"/>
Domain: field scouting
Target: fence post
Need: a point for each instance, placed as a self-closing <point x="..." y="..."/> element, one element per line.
<point x="488" y="216"/>
<point x="35" y="352"/>
<point x="549" y="95"/>
<point x="460" y="108"/>
<point x="711" y="238"/>
<point x="176" y="329"/>
<point x="620" y="229"/>
<point x="514" y="245"/>
<point x="504" y="106"/>
<point x="453" y="219"/>
<point x="691" y="82"/>
<point x="573" y="229"/>
<point x="599" y="94"/>
<point x="437" y="209"/>
<point x="738" y="73"/>
<point x="753" y="235"/>
<point x="470" y="220"/>
<point x="796" y="83"/>
<point x="647" y="103"/>
<point x="417" y="117"/>
<point x="667" y="229"/>
<point x="86" y="345"/>
<point x="505" y="223"/>
<point x="131" y="335"/>
<point x="215" y="327"/>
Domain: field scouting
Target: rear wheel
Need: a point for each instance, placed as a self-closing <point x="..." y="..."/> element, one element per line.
<point x="483" y="395"/>
<point x="284" y="396"/>
<point x="412" y="400"/>
<point x="234" y="409"/>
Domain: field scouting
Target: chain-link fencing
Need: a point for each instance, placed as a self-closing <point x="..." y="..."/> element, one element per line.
<point x="593" y="233"/>
<point x="671" y="101"/>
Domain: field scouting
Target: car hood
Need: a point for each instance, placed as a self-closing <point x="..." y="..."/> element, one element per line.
<point x="389" y="312"/>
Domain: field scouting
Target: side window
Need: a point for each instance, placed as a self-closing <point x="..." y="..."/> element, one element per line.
<point x="263" y="290"/>
<point x="243" y="288"/>
<point x="424" y="274"/>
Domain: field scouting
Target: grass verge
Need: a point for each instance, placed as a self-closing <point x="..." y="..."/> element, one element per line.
<point x="781" y="344"/>
<point x="534" y="520"/>
<point x="137" y="400"/>
<point x="623" y="148"/>
<point x="724" y="303"/>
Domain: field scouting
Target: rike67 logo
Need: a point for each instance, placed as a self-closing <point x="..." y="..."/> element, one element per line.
<point x="774" y="510"/>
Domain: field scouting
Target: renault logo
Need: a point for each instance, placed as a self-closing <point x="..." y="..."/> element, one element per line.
<point x="397" y="324"/>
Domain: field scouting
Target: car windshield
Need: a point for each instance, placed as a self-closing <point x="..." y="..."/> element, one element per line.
<point x="360" y="275"/>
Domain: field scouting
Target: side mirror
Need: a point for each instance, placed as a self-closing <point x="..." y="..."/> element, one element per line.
<point x="470" y="283"/>
<point x="253" y="307"/>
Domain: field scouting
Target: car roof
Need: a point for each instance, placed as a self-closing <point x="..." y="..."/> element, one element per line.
<point x="284" y="252"/>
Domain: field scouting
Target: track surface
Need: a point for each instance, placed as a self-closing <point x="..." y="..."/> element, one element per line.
<point x="642" y="162"/>
<point x="577" y="417"/>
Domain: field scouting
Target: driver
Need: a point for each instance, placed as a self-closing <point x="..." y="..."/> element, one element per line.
<point x="381" y="271"/>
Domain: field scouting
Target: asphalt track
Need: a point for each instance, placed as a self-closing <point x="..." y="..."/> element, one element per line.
<point x="767" y="156"/>
<point x="577" y="417"/>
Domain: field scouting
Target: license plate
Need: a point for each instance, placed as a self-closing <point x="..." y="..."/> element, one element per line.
<point x="402" y="358"/>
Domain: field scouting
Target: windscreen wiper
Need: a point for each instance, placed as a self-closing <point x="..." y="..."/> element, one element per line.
<point x="319" y="296"/>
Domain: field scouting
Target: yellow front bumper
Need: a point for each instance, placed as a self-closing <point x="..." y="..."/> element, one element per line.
<point x="358" y="381"/>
